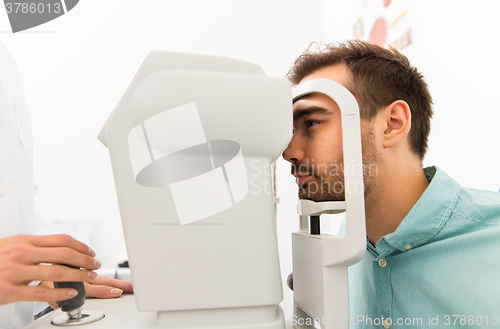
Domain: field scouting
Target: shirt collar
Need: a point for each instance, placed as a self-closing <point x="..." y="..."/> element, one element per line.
<point x="428" y="215"/>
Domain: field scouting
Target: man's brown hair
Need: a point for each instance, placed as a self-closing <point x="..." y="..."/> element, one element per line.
<point x="379" y="77"/>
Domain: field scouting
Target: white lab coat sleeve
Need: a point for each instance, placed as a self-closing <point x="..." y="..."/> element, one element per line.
<point x="16" y="173"/>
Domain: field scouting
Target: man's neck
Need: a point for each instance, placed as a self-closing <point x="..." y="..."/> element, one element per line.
<point x="395" y="195"/>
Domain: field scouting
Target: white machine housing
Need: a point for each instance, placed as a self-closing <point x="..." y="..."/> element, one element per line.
<point x="320" y="262"/>
<point x="202" y="251"/>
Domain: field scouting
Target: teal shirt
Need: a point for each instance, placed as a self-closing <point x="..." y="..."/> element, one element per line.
<point x="440" y="268"/>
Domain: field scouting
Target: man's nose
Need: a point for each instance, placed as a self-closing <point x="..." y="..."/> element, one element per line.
<point x="294" y="151"/>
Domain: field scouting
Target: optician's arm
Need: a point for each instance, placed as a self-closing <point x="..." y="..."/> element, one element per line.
<point x="23" y="259"/>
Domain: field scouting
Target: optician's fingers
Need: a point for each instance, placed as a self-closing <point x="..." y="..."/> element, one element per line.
<point x="62" y="255"/>
<point x="60" y="240"/>
<point x="56" y="273"/>
<point x="126" y="286"/>
<point x="101" y="291"/>
<point x="49" y="284"/>
<point x="12" y="294"/>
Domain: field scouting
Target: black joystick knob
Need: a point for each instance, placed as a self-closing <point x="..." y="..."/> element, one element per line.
<point x="75" y="303"/>
<point x="73" y="307"/>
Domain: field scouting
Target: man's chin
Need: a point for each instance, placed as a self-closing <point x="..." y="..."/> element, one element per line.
<point x="320" y="189"/>
<point x="318" y="197"/>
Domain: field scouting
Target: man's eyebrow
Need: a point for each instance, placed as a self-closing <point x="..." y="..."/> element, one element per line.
<point x="298" y="114"/>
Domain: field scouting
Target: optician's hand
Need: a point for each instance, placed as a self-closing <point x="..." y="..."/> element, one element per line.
<point x="104" y="287"/>
<point x="100" y="287"/>
<point x="21" y="258"/>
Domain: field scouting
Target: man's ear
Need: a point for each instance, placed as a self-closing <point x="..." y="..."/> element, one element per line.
<point x="397" y="120"/>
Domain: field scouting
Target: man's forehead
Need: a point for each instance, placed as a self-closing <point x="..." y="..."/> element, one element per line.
<point x="303" y="100"/>
<point x="338" y="73"/>
<point x="313" y="101"/>
<point x="306" y="101"/>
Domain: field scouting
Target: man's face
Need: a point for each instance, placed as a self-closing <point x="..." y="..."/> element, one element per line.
<point x="316" y="147"/>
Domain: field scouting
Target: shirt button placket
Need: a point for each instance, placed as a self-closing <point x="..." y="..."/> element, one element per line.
<point x="384" y="291"/>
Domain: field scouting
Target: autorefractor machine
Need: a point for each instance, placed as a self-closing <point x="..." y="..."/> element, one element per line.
<point x="199" y="226"/>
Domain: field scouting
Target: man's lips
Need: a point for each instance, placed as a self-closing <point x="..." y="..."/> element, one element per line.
<point x="300" y="178"/>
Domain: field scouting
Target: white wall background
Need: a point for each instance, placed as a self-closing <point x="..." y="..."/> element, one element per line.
<point x="76" y="67"/>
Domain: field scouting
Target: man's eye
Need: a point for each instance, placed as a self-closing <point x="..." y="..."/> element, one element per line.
<point x="311" y="123"/>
